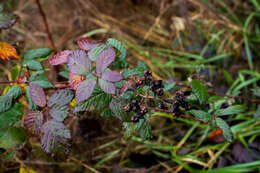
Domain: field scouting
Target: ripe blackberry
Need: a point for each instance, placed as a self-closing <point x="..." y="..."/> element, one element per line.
<point x="159" y="92"/>
<point x="147" y="73"/>
<point x="128" y="108"/>
<point x="158" y="84"/>
<point x="140" y="82"/>
<point x="135" y="118"/>
<point x="174" y="108"/>
<point x="143" y="111"/>
<point x="135" y="102"/>
<point x="162" y="105"/>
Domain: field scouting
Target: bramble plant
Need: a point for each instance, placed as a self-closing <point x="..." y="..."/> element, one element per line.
<point x="99" y="80"/>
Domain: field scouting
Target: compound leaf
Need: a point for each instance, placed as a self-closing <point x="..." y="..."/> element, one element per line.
<point x="107" y="87"/>
<point x="34" y="121"/>
<point x="60" y="57"/>
<point x="104" y="59"/>
<point x="12" y="115"/>
<point x="201" y="115"/>
<point x="93" y="53"/>
<point x="12" y="138"/>
<point x="236" y="109"/>
<point x="85" y="90"/>
<point x="112" y="76"/>
<point x="199" y="90"/>
<point x="87" y="43"/>
<point x="14" y="92"/>
<point x="121" y="62"/>
<point x="37" y="94"/>
<point x="61" y="97"/>
<point x="59" y="113"/>
<point x="55" y="136"/>
<point x="5" y="102"/>
<point x="78" y="62"/>
<point x="225" y="128"/>
<point x="38" y="53"/>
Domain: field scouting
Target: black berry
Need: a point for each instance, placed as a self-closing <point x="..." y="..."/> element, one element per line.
<point x="162" y="105"/>
<point x="159" y="92"/>
<point x="128" y="108"/>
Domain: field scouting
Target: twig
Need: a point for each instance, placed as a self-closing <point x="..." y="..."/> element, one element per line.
<point x="46" y="25"/>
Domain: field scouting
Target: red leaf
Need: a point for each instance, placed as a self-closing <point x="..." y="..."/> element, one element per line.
<point x="7" y="51"/>
<point x="37" y="94"/>
<point x="85" y="90"/>
<point x="125" y="87"/>
<point x="104" y="59"/>
<point x="74" y="80"/>
<point x="88" y="43"/>
<point x="60" y="57"/>
<point x="216" y="136"/>
<point x="34" y="121"/>
<point x="112" y="76"/>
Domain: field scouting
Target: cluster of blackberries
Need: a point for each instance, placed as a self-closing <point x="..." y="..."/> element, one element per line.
<point x="157" y="87"/>
<point x="139" y="110"/>
<point x="178" y="101"/>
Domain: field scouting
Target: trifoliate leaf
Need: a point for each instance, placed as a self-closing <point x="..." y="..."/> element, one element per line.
<point x="107" y="87"/>
<point x="61" y="97"/>
<point x="34" y="121"/>
<point x="37" y="94"/>
<point x="104" y="59"/>
<point x="60" y="57"/>
<point x="37" y="53"/>
<point x="85" y="90"/>
<point x="112" y="76"/>
<point x="199" y="90"/>
<point x="225" y="128"/>
<point x="78" y="62"/>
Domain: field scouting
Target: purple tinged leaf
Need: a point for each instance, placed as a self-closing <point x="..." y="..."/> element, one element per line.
<point x="59" y="113"/>
<point x="104" y="59"/>
<point x="78" y="62"/>
<point x="55" y="135"/>
<point x="87" y="43"/>
<point x="107" y="87"/>
<point x="61" y="97"/>
<point x="85" y="90"/>
<point x="37" y="94"/>
<point x="125" y="87"/>
<point x="34" y="121"/>
<point x="112" y="76"/>
<point x="60" y="57"/>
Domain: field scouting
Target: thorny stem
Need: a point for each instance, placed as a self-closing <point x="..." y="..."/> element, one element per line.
<point x="46" y="25"/>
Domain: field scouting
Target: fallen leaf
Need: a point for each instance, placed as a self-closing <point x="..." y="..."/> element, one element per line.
<point x="7" y="51"/>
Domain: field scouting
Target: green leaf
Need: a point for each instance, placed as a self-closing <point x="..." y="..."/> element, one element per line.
<point x="257" y="113"/>
<point x="231" y="110"/>
<point x="32" y="64"/>
<point x="15" y="72"/>
<point x="12" y="138"/>
<point x="108" y="114"/>
<point x="121" y="61"/>
<point x="98" y="100"/>
<point x="32" y="105"/>
<point x="41" y="79"/>
<point x="9" y="117"/>
<point x="135" y="71"/>
<point x="199" y="90"/>
<point x="93" y="53"/>
<point x="14" y="92"/>
<point x="5" y="102"/>
<point x="201" y="115"/>
<point x="117" y="107"/>
<point x="38" y="53"/>
<point x="256" y="92"/>
<point x="59" y="113"/>
<point x="225" y="128"/>
<point x="168" y="86"/>
<point x="64" y="74"/>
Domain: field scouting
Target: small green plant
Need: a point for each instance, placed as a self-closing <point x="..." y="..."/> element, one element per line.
<point x="98" y="80"/>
